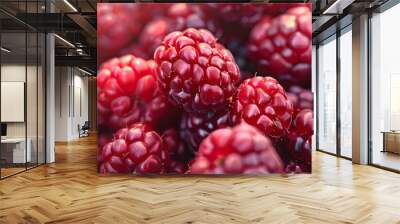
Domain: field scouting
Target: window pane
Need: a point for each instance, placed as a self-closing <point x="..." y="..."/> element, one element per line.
<point x="346" y="94"/>
<point x="327" y="96"/>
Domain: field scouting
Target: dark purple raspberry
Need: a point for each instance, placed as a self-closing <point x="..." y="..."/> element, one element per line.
<point x="194" y="128"/>
<point x="299" y="139"/>
<point x="195" y="72"/>
<point x="237" y="150"/>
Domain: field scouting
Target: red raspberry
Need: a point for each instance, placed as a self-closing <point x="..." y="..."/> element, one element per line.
<point x="194" y="128"/>
<point x="102" y="139"/>
<point x="195" y="72"/>
<point x="153" y="34"/>
<point x="304" y="123"/>
<point x="282" y="47"/>
<point x="262" y="102"/>
<point x="179" y="153"/>
<point x="137" y="149"/>
<point x="246" y="15"/>
<point x="185" y="16"/>
<point x="241" y="149"/>
<point x="300" y="98"/>
<point x="117" y="24"/>
<point x="180" y="17"/>
<point x="128" y="93"/>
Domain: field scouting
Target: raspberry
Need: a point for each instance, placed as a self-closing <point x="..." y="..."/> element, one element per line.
<point x="128" y="93"/>
<point x="300" y="150"/>
<point x="185" y="16"/>
<point x="304" y="123"/>
<point x="282" y="47"/>
<point x="102" y="139"/>
<point x="300" y="98"/>
<point x="114" y="31"/>
<point x="241" y="149"/>
<point x="262" y="102"/>
<point x="153" y="34"/>
<point x="194" y="128"/>
<point x="299" y="139"/>
<point x="196" y="73"/>
<point x="136" y="149"/>
<point x="246" y="15"/>
<point x="180" y="17"/>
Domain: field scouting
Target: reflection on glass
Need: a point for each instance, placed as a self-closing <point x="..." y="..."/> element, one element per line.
<point x="385" y="84"/>
<point x="346" y="94"/>
<point x="14" y="153"/>
<point x="327" y="96"/>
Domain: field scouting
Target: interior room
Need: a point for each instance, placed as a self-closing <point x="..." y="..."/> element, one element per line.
<point x="54" y="143"/>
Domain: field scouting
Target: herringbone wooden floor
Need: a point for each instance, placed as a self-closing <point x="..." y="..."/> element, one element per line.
<point x="70" y="191"/>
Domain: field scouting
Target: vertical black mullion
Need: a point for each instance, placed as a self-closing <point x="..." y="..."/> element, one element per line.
<point x="338" y="77"/>
<point x="45" y="88"/>
<point x="37" y="88"/>
<point x="369" y="94"/>
<point x="26" y="86"/>
<point x="316" y="96"/>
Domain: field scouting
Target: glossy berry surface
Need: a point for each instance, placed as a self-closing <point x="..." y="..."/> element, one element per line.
<point x="136" y="149"/>
<point x="237" y="150"/>
<point x="301" y="98"/>
<point x="262" y="102"/>
<point x="128" y="92"/>
<point x="196" y="73"/>
<point x="194" y="128"/>
<point x="179" y="154"/>
<point x="299" y="139"/>
<point x="281" y="47"/>
<point x="114" y="32"/>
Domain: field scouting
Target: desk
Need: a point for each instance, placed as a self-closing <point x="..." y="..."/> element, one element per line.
<point x="391" y="141"/>
<point x="13" y="150"/>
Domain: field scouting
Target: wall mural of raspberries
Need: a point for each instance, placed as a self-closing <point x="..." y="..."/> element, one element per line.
<point x="204" y="88"/>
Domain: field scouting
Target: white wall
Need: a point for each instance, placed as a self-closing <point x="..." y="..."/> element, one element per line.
<point x="71" y="93"/>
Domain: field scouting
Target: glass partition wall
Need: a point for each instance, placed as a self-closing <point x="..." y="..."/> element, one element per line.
<point x="22" y="77"/>
<point x="334" y="94"/>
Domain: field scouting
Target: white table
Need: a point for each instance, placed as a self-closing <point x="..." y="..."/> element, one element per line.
<point x="18" y="150"/>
